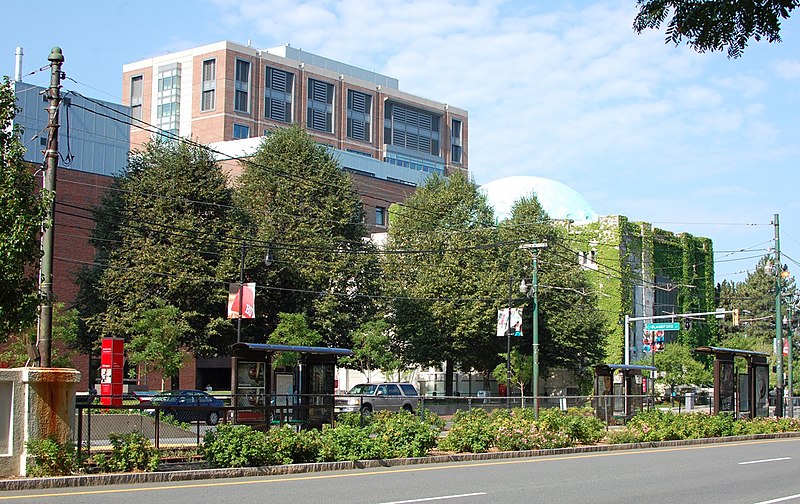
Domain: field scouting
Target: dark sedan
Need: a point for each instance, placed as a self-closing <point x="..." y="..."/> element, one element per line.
<point x="189" y="405"/>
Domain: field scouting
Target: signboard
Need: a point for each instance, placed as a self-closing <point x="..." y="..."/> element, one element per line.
<point x="244" y="298"/>
<point x="662" y="326"/>
<point x="112" y="364"/>
<point x="503" y="323"/>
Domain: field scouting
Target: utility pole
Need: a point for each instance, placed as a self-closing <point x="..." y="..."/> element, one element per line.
<point x="778" y="322"/>
<point x="534" y="248"/>
<point x="45" y="329"/>
<point x="508" y="346"/>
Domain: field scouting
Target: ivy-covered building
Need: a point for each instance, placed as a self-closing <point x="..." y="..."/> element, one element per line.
<point x="637" y="270"/>
<point x="642" y="271"/>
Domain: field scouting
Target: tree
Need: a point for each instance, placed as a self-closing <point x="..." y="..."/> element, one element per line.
<point x="521" y="371"/>
<point x="715" y="25"/>
<point x="297" y="200"/>
<point x="156" y="341"/>
<point x="292" y="330"/>
<point x="373" y="349"/>
<point x="680" y="367"/>
<point x="443" y="271"/>
<point x="572" y="331"/>
<point x="22" y="212"/>
<point x="160" y="238"/>
<point x="64" y="337"/>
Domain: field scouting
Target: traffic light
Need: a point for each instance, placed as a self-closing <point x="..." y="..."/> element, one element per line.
<point x="736" y="317"/>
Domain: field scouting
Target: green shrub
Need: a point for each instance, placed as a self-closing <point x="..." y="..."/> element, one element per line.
<point x="288" y="446"/>
<point x="238" y="446"/>
<point x="128" y="452"/>
<point x="50" y="457"/>
<point x="402" y="434"/>
<point x="471" y="431"/>
<point x="345" y="442"/>
<point x="663" y="426"/>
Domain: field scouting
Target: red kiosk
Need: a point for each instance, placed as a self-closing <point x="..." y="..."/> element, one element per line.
<point x="112" y="363"/>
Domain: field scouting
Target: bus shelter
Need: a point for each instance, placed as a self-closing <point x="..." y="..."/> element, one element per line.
<point x="750" y="388"/>
<point x="619" y="390"/>
<point x="302" y="395"/>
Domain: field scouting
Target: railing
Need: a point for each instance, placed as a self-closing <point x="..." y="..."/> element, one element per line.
<point x="95" y="422"/>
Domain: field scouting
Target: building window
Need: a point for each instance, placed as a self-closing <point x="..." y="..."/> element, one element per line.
<point x="278" y="95"/>
<point x="168" y="100"/>
<point x="241" y="100"/>
<point x="209" y="85"/>
<point x="380" y="216"/>
<point x="455" y="141"/>
<point x="320" y="106"/>
<point x="411" y="128"/>
<point x="359" y="114"/>
<point x="136" y="97"/>
<point x="240" y="131"/>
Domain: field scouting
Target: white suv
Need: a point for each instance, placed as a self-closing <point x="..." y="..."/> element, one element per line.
<point x="369" y="397"/>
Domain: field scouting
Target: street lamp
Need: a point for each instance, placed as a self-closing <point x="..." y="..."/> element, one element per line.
<point x="268" y="259"/>
<point x="534" y="248"/>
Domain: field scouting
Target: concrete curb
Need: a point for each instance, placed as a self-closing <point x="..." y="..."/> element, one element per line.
<point x="90" y="480"/>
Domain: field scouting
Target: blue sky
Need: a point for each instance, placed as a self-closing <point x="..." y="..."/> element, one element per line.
<point x="559" y="89"/>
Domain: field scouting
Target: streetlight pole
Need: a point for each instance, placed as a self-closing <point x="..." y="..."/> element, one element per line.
<point x="534" y="247"/>
<point x="508" y="345"/>
<point x="778" y="322"/>
<point x="267" y="262"/>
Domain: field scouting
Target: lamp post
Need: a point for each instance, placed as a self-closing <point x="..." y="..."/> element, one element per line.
<point x="268" y="259"/>
<point x="778" y="320"/>
<point x="534" y="248"/>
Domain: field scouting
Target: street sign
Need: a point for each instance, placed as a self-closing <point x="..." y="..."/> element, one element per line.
<point x="662" y="326"/>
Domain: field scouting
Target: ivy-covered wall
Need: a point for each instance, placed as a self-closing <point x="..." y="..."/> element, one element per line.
<point x="629" y="262"/>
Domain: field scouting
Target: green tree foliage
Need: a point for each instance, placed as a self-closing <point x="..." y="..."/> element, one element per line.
<point x="521" y="370"/>
<point x="445" y="276"/>
<point x="292" y="330"/>
<point x="64" y="338"/>
<point x="22" y="211"/>
<point x="755" y="299"/>
<point x="160" y="235"/>
<point x="156" y="341"/>
<point x="680" y="367"/>
<point x="297" y="198"/>
<point x="571" y="330"/>
<point x="373" y="349"/>
<point x="715" y="25"/>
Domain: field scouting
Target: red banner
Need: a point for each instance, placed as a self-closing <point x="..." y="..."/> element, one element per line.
<point x="242" y="299"/>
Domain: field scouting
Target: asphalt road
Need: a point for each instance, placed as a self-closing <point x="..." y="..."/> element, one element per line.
<point x="753" y="472"/>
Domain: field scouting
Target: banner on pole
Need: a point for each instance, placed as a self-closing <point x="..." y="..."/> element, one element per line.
<point x="246" y="298"/>
<point x="503" y="322"/>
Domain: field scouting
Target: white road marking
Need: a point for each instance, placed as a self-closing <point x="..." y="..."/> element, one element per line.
<point x="765" y="460"/>
<point x="428" y="499"/>
<point x="781" y="499"/>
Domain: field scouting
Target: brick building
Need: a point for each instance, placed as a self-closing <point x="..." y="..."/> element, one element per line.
<point x="229" y="95"/>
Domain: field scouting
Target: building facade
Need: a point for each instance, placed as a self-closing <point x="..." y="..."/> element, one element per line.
<point x="229" y="93"/>
<point x="93" y="146"/>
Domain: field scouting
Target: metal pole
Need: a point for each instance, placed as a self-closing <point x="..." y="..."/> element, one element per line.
<point x="45" y="329"/>
<point x="790" y="392"/>
<point x="508" y="346"/>
<point x="241" y="296"/>
<point x="627" y="358"/>
<point x="535" y="383"/>
<point x="778" y="323"/>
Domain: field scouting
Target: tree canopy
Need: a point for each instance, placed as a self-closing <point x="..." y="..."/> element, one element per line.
<point x="297" y="200"/>
<point x="444" y="276"/>
<point x="22" y="211"/>
<point x="161" y="232"/>
<point x="715" y="25"/>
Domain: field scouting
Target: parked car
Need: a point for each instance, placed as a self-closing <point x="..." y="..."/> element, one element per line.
<point x="189" y="405"/>
<point x="369" y="397"/>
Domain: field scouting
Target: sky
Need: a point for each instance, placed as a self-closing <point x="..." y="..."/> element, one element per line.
<point x="564" y="89"/>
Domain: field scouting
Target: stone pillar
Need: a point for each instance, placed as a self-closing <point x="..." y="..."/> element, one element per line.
<point x="35" y="403"/>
